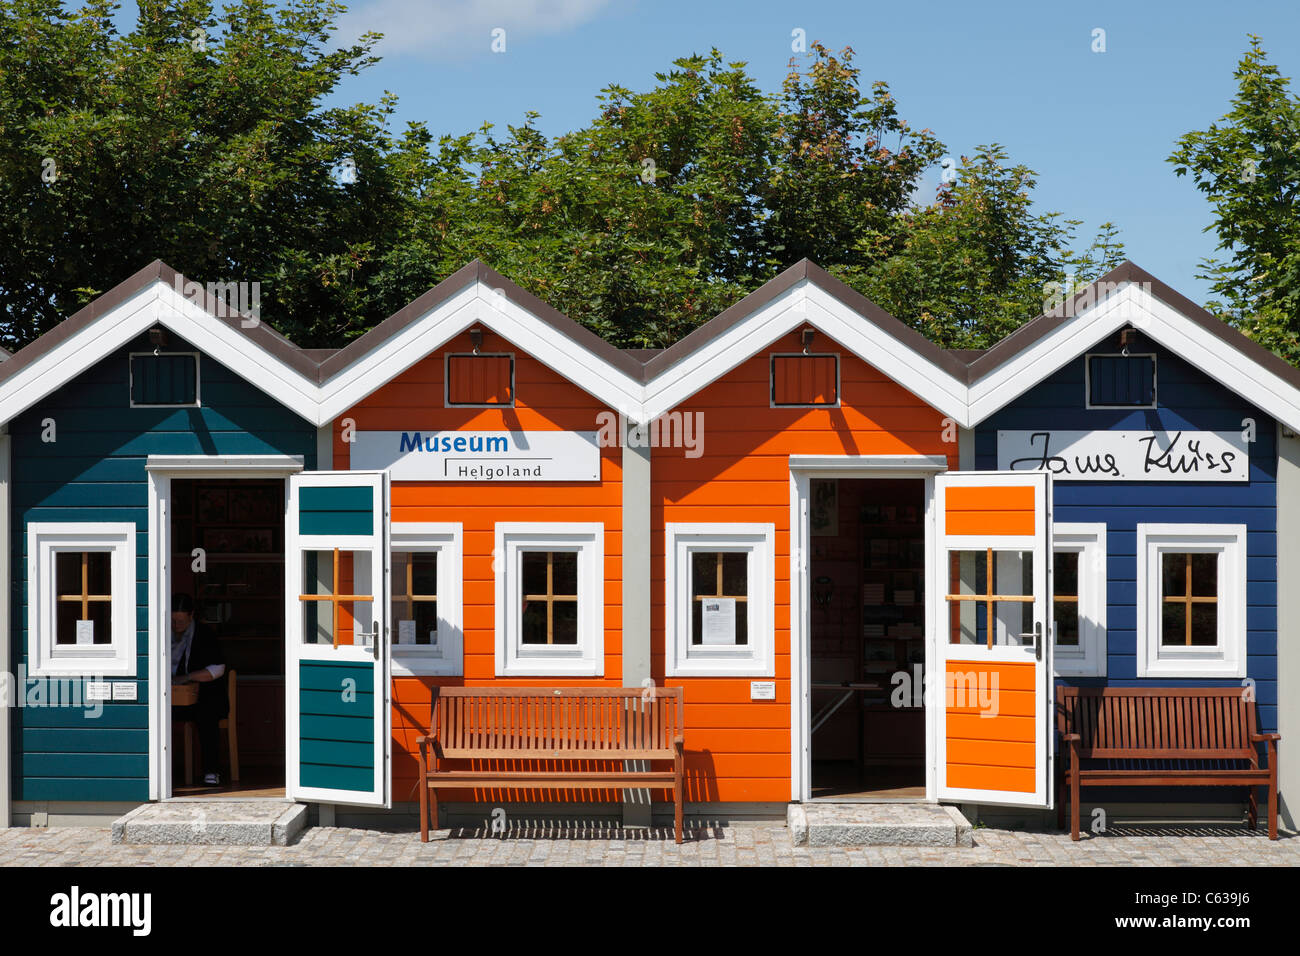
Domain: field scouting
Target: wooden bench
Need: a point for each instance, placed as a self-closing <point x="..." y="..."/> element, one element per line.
<point x="551" y="725"/>
<point x="1163" y="736"/>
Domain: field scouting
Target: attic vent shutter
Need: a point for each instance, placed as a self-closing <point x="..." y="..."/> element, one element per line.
<point x="164" y="379"/>
<point x="480" y="380"/>
<point x="805" y="380"/>
<point x="1121" y="381"/>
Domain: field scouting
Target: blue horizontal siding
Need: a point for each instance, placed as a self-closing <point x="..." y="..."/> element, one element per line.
<point x="1187" y="400"/>
<point x="95" y="471"/>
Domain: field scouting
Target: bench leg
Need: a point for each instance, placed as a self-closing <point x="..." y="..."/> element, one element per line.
<point x="678" y="768"/>
<point x="433" y="808"/>
<point x="424" y="810"/>
<point x="1074" y="807"/>
<point x="1252" y="808"/>
<point x="1060" y="804"/>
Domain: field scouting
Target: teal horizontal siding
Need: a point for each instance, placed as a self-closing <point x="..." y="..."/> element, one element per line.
<point x="337" y="735"/>
<point x="331" y="677"/>
<point x="88" y="789"/>
<point x="324" y="727"/>
<point x="85" y="764"/>
<point x="336" y="510"/>
<point x="331" y="777"/>
<point x="331" y="703"/>
<point x="64" y="740"/>
<point x="344" y="753"/>
<point x="95" y="471"/>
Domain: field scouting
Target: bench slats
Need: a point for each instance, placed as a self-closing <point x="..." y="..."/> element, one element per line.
<point x="1177" y="736"/>
<point x="542" y="726"/>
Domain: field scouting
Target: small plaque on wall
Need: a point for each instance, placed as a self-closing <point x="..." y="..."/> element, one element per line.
<point x="99" y="690"/>
<point x="762" y="690"/>
<point x="124" y="690"/>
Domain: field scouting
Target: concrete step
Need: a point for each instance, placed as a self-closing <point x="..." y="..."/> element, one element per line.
<point x="214" y="822"/>
<point x="877" y="824"/>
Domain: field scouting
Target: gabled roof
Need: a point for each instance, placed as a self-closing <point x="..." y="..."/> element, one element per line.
<point x="1130" y="296"/>
<point x="968" y="385"/>
<point x="806" y="294"/>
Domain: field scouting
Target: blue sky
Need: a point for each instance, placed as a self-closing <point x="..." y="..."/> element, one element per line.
<point x="1096" y="127"/>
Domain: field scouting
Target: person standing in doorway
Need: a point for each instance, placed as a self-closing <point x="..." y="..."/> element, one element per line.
<point x="197" y="657"/>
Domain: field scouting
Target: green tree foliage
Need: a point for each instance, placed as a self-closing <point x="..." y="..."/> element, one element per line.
<point x="973" y="266"/>
<point x="1248" y="165"/>
<point x="200" y="138"/>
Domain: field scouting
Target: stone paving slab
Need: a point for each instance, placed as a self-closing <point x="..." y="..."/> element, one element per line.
<point x="739" y="845"/>
<point x="212" y="823"/>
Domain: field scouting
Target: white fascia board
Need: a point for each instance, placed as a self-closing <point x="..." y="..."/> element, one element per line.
<point x="704" y="366"/>
<point x="540" y="341"/>
<point x="1074" y="338"/>
<point x="477" y="304"/>
<point x="894" y="359"/>
<point x="807" y="303"/>
<point x="1229" y="367"/>
<point x="237" y="351"/>
<point x="70" y="358"/>
<point x="384" y="363"/>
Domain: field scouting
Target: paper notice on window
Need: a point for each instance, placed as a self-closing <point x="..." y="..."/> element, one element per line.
<point x="85" y="632"/>
<point x="719" y="621"/>
<point x="406" y="632"/>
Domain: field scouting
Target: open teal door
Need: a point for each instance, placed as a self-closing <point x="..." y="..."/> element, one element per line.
<point x="337" y="689"/>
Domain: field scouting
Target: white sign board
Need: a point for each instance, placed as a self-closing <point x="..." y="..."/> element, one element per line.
<point x="762" y="690"/>
<point x="85" y="632"/>
<point x="479" y="456"/>
<point x="124" y="690"/>
<point x="1127" y="455"/>
<point x="719" y="621"/>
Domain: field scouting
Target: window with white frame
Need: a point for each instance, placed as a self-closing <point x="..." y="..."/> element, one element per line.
<point x="550" y="599"/>
<point x="1079" y="599"/>
<point x="718" y="600"/>
<point x="1192" y="600"/>
<point x="426" y="569"/>
<point x="82" y="600"/>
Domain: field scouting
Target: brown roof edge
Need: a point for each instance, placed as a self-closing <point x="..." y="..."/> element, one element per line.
<point x="805" y="269"/>
<point x="478" y="271"/>
<point x="157" y="271"/>
<point x="1128" y="271"/>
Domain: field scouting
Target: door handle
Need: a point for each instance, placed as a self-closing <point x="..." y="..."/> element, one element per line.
<point x="374" y="639"/>
<point x="1038" y="640"/>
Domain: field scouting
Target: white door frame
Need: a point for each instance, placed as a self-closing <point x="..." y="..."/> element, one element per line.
<point x="161" y="469"/>
<point x="803" y="468"/>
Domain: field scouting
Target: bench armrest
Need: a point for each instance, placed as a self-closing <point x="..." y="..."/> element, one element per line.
<point x="679" y="743"/>
<point x="1261" y="738"/>
<point x="424" y="742"/>
<point x="1071" y="738"/>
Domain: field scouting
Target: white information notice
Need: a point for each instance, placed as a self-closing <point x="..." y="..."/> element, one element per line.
<point x="405" y="632"/>
<point x="1127" y="455"/>
<point x="85" y="632"/>
<point x="124" y="690"/>
<point x="479" y="456"/>
<point x="719" y="624"/>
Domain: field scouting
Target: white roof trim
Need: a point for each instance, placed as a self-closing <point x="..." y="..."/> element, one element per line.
<point x="1135" y="305"/>
<point x="479" y="304"/>
<point x="806" y="303"/>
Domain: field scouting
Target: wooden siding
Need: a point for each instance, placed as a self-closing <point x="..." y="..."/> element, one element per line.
<point x="544" y="401"/>
<point x="1187" y="399"/>
<point x="95" y="472"/>
<point x="738" y="749"/>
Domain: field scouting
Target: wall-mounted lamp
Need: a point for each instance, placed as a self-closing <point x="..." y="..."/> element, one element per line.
<point x="806" y="337"/>
<point x="1127" y="337"/>
<point x="158" y="339"/>
<point x="476" y="337"/>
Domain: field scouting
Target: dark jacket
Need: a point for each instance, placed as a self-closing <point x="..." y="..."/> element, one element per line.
<point x="205" y="650"/>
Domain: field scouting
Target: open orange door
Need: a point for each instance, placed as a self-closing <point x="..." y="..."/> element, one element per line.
<point x="992" y="588"/>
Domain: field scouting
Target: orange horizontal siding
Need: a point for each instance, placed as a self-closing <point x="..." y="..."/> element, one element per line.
<point x="990" y="510"/>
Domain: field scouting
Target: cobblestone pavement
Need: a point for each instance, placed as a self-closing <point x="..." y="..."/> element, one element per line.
<point x="740" y="845"/>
